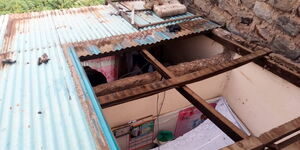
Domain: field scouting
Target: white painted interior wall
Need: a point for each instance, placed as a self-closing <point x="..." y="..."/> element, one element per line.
<point x="261" y="99"/>
<point x="122" y="114"/>
<point x="186" y="50"/>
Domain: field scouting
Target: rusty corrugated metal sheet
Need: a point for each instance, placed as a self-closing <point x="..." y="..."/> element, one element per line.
<point x="3" y="25"/>
<point x="136" y="4"/>
<point x="57" y="27"/>
<point x="148" y="17"/>
<point x="86" y="50"/>
<point x="40" y="107"/>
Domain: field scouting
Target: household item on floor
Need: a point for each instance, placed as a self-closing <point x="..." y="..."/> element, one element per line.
<point x="190" y="118"/>
<point x="141" y="135"/>
<point x="164" y="137"/>
<point x="207" y="136"/>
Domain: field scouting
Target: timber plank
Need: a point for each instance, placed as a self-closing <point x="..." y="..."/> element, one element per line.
<point x="223" y="123"/>
<point x="160" y="86"/>
<point x="268" y="139"/>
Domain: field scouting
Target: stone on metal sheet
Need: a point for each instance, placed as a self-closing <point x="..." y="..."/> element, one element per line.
<point x="167" y="10"/>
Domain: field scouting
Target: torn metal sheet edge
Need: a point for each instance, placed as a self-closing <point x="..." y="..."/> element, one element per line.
<point x="93" y="49"/>
<point x="96" y="120"/>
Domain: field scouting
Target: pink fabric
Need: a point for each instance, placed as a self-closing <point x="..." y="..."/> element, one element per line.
<point x="188" y="119"/>
<point x="108" y="66"/>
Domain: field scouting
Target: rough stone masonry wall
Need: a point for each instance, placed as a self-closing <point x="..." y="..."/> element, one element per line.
<point x="271" y="23"/>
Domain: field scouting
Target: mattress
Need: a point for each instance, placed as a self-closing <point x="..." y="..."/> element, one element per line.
<point x="206" y="136"/>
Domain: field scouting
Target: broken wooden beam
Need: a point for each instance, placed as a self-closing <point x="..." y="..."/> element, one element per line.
<point x="218" y="119"/>
<point x="178" y="70"/>
<point x="287" y="142"/>
<point x="167" y="74"/>
<point x="270" y="138"/>
<point x="280" y="132"/>
<point x="160" y="86"/>
<point x="281" y="68"/>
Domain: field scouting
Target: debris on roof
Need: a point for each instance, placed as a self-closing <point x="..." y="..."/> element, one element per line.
<point x="8" y="61"/>
<point x="43" y="59"/>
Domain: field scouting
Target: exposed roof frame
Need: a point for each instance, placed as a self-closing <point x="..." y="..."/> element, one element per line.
<point x="138" y="40"/>
<point x="180" y="84"/>
<point x="223" y="123"/>
<point x="160" y="86"/>
<point x="146" y="78"/>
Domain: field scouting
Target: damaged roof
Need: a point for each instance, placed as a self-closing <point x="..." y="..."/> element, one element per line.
<point x="20" y="32"/>
<point x="90" y="49"/>
<point x="40" y="106"/>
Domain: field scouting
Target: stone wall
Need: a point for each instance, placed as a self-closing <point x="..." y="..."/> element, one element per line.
<point x="271" y="23"/>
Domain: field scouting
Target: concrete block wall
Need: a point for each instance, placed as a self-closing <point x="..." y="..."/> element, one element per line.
<point x="271" y="23"/>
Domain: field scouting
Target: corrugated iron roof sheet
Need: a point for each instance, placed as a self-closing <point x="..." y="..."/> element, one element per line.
<point x="89" y="50"/>
<point x="136" y="4"/>
<point x="57" y="27"/>
<point x="51" y="28"/>
<point x="3" y="24"/>
<point x="148" y="17"/>
<point x="40" y="107"/>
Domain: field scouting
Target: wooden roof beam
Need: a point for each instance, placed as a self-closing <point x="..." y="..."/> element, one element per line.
<point x="217" y="118"/>
<point x="160" y="86"/>
<point x="268" y="139"/>
<point x="146" y="78"/>
<point x="217" y="35"/>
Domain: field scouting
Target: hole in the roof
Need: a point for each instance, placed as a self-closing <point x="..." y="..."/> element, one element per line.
<point x="132" y="63"/>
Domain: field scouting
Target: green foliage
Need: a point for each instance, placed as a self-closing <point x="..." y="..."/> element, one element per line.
<point x="19" y="6"/>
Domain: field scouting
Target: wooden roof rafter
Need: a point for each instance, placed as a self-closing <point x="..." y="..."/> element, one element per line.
<point x="180" y="84"/>
<point x="277" y="138"/>
<point x="223" y="123"/>
<point x="160" y="86"/>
